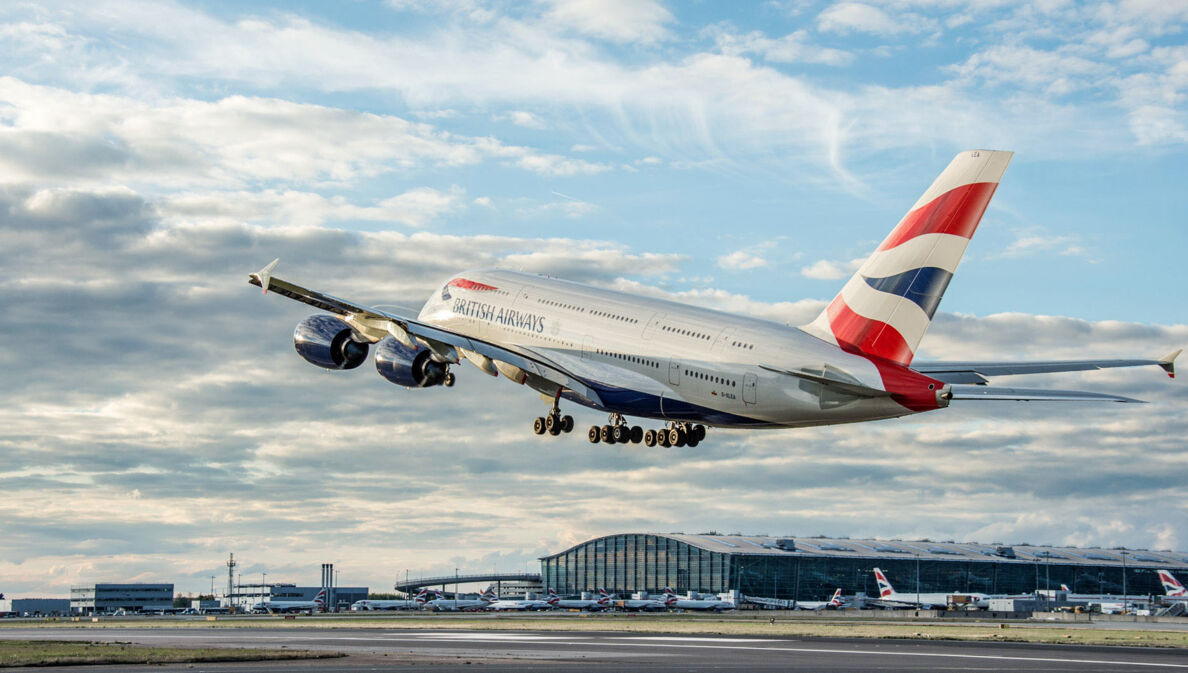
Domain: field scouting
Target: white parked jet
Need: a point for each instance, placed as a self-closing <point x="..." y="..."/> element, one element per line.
<point x="415" y="603"/>
<point x="835" y="602"/>
<point x="716" y="604"/>
<point x="631" y="355"/>
<point x="318" y="604"/>
<point x="500" y="605"/>
<point x="649" y="604"/>
<point x="443" y="604"/>
<point x="889" y="597"/>
<point x="592" y="604"/>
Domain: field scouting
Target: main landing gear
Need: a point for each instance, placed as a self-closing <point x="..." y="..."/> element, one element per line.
<point x="554" y="423"/>
<point x="618" y="432"/>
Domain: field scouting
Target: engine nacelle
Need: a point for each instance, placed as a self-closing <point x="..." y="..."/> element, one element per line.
<point x="326" y="341"/>
<point x="411" y="368"/>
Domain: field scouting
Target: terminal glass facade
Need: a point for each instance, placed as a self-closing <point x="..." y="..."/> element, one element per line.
<point x="625" y="564"/>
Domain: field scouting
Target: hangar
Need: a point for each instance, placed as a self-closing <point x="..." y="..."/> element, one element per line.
<point x="804" y="568"/>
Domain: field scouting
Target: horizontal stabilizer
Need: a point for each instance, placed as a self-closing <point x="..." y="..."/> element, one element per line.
<point x="980" y="392"/>
<point x="977" y="372"/>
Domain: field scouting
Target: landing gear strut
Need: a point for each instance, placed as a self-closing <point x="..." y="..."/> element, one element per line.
<point x="554" y="423"/>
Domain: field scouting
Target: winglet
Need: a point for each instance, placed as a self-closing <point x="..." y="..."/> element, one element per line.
<point x="1168" y="362"/>
<point x="263" y="276"/>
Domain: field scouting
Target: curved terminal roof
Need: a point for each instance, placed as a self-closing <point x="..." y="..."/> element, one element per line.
<point x="811" y="547"/>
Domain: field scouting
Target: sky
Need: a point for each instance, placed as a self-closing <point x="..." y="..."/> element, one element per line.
<point x="741" y="156"/>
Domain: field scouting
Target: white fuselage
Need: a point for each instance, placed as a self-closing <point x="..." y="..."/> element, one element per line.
<point x="450" y="604"/>
<point x="929" y="600"/>
<point x="525" y="604"/>
<point x="660" y="359"/>
<point x="366" y="605"/>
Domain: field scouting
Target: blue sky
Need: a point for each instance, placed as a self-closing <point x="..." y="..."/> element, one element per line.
<point x="736" y="155"/>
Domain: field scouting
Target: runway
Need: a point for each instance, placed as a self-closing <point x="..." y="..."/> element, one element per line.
<point x="397" y="650"/>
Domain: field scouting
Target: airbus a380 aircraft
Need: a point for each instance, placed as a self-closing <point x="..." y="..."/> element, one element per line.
<point x="691" y="367"/>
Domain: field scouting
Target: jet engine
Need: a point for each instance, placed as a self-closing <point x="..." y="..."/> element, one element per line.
<point x="328" y="342"/>
<point x="409" y="367"/>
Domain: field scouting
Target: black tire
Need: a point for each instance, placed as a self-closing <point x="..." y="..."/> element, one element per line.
<point x="606" y="434"/>
<point x="649" y="438"/>
<point x="551" y="423"/>
<point x="682" y="438"/>
<point x="556" y="429"/>
<point x="622" y="434"/>
<point x="594" y="435"/>
<point x="700" y="430"/>
<point x="448" y="382"/>
<point x="692" y="441"/>
<point x="662" y="438"/>
<point x="567" y="424"/>
<point x="674" y="438"/>
<point x="538" y="426"/>
<point x="636" y="435"/>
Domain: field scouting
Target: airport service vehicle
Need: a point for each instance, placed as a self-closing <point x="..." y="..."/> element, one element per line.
<point x="443" y="604"/>
<point x="716" y="604"/>
<point x="414" y="603"/>
<point x="592" y="604"/>
<point x="890" y="598"/>
<point x="693" y="368"/>
<point x="318" y="604"/>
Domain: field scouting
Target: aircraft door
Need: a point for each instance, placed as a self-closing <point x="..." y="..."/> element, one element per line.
<point x="674" y="372"/>
<point x="653" y="325"/>
<point x="587" y="348"/>
<point x="750" y="383"/>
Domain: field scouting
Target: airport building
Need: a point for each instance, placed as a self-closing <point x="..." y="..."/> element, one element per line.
<point x="805" y="569"/>
<point x="106" y="598"/>
<point x="36" y="607"/>
<point x="247" y="595"/>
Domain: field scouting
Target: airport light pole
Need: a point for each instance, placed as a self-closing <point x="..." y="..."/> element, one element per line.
<point x="455" y="588"/>
<point x="1123" y="554"/>
<point x="917" y="580"/>
<point x="263" y="580"/>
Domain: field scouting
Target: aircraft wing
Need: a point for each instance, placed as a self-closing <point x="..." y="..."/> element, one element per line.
<point x="977" y="372"/>
<point x="374" y="323"/>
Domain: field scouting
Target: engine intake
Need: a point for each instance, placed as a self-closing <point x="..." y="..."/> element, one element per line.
<point x="327" y="342"/>
<point x="408" y="367"/>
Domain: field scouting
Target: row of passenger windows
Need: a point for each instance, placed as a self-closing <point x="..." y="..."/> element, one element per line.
<point x="614" y="316"/>
<point x="631" y="358"/>
<point x="561" y="304"/>
<point x="744" y="346"/>
<point x="722" y="381"/>
<point x="685" y="332"/>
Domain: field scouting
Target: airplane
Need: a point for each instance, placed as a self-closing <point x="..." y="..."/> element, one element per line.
<point x="443" y="604"/>
<point x="318" y="604"/>
<point x="649" y="604"/>
<point x="500" y="604"/>
<point x="889" y="597"/>
<point x="835" y="602"/>
<point x="1172" y="586"/>
<point x="415" y="603"/>
<point x="591" y="604"/>
<point x="693" y="368"/>
<point x="716" y="604"/>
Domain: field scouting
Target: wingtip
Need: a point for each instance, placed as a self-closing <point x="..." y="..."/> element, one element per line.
<point x="264" y="276"/>
<point x="1168" y="362"/>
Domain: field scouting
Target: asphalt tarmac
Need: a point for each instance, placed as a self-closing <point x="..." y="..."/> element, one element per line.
<point x="445" y="651"/>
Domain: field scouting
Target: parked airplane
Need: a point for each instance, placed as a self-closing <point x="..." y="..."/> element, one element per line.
<point x="443" y="604"/>
<point x="318" y="604"/>
<point x="649" y="604"/>
<point x="716" y="604"/>
<point x="1172" y="586"/>
<point x="889" y="597"/>
<point x="631" y="355"/>
<point x="835" y="602"/>
<point x="414" y="603"/>
<point x="592" y="604"/>
<point x="500" y="605"/>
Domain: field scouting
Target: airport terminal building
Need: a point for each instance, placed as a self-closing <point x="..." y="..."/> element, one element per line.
<point x="805" y="569"/>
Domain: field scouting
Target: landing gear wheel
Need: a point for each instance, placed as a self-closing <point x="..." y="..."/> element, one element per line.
<point x="448" y="382"/>
<point x="567" y="424"/>
<point x="594" y="434"/>
<point x="699" y="432"/>
<point x="636" y="435"/>
<point x="555" y="430"/>
<point x="622" y="434"/>
<point x="551" y="423"/>
<point x="607" y="434"/>
<point x="662" y="438"/>
<point x="674" y="438"/>
<point x="692" y="441"/>
<point x="649" y="438"/>
<point x="538" y="426"/>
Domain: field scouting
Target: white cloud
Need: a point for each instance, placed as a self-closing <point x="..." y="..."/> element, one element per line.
<point x="615" y="20"/>
<point x="415" y="208"/>
<point x="847" y="17"/>
<point x="741" y="260"/>
<point x="791" y="48"/>
<point x="525" y="119"/>
<point x="1030" y="243"/>
<point x="824" y="269"/>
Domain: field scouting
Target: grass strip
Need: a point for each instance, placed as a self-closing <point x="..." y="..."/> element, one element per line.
<point x="70" y="652"/>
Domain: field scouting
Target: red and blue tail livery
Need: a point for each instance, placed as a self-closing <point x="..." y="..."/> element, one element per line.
<point x="687" y="369"/>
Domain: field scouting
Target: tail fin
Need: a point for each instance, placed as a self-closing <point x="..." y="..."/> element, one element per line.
<point x="836" y="601"/>
<point x="1065" y="589"/>
<point x="885" y="588"/>
<point x="320" y="599"/>
<point x="887" y="306"/>
<point x="489" y="595"/>
<point x="552" y="593"/>
<point x="422" y="596"/>
<point x="1171" y="585"/>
